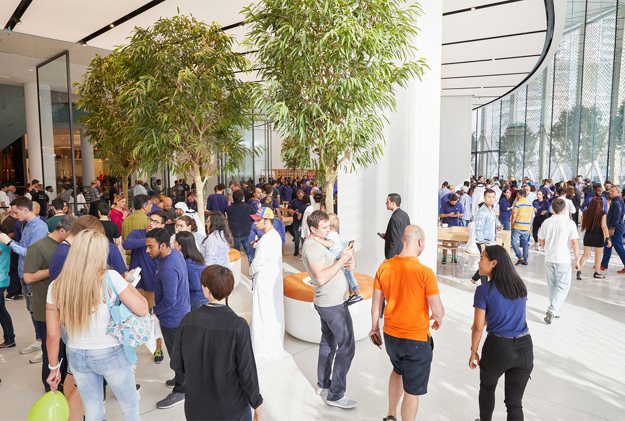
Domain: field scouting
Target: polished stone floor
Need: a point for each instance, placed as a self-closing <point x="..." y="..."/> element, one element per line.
<point x="579" y="371"/>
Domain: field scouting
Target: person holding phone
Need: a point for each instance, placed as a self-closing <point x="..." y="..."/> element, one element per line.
<point x="411" y="292"/>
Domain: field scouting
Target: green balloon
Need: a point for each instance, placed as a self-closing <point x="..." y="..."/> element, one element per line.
<point x="50" y="407"/>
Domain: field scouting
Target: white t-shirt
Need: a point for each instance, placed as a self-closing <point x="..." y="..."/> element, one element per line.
<point x="96" y="337"/>
<point x="305" y="230"/>
<point x="558" y="231"/>
<point x="570" y="207"/>
<point x="5" y="198"/>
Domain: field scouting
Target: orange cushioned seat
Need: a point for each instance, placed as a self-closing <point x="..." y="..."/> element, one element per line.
<point x="296" y="289"/>
<point x="234" y="255"/>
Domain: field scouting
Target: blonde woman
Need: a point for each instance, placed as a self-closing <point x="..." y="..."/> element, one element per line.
<point x="76" y="301"/>
<point x="118" y="211"/>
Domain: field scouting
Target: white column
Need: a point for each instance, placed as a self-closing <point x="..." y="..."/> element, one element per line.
<point x="31" y="101"/>
<point x="86" y="155"/>
<point x="455" y="147"/>
<point x="410" y="163"/>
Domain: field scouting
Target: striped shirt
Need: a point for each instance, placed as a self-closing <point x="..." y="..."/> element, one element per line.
<point x="523" y="212"/>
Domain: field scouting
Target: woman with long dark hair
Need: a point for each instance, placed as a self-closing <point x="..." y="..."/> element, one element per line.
<point x="218" y="241"/>
<point x="541" y="212"/>
<point x="500" y="306"/>
<point x="505" y="208"/>
<point x="184" y="242"/>
<point x="596" y="228"/>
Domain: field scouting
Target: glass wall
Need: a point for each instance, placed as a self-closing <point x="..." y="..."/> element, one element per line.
<point x="569" y="119"/>
<point x="257" y="137"/>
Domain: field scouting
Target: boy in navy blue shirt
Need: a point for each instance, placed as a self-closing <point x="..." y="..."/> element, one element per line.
<point x="217" y="202"/>
<point x="451" y="211"/>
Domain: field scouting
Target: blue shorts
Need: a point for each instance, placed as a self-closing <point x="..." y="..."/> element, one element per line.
<point x="412" y="360"/>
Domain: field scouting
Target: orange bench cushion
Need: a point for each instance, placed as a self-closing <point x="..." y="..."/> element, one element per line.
<point x="234" y="255"/>
<point x="296" y="289"/>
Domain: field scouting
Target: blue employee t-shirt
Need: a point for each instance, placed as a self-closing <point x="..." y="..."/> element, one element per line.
<point x="114" y="261"/>
<point x="446" y="208"/>
<point x="503" y="317"/>
<point x="217" y="203"/>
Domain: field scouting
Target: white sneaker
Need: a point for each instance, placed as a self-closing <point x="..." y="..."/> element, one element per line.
<point x="322" y="391"/>
<point x="34" y="347"/>
<point x="37" y="358"/>
<point x="344" y="403"/>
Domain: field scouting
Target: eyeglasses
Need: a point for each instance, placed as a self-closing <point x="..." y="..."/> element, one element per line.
<point x="154" y="221"/>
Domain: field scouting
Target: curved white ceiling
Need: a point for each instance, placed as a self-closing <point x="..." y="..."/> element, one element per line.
<point x="487" y="52"/>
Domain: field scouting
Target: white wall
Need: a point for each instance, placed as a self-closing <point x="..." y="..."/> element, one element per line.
<point x="455" y="146"/>
<point x="276" y="145"/>
<point x="409" y="164"/>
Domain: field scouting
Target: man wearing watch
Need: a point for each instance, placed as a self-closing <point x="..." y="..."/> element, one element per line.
<point x="34" y="230"/>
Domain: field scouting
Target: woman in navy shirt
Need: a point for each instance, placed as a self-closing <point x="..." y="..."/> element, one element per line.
<point x="541" y="212"/>
<point x="505" y="209"/>
<point x="500" y="307"/>
<point x="185" y="244"/>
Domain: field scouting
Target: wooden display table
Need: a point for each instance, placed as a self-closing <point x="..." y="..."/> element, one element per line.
<point x="301" y="318"/>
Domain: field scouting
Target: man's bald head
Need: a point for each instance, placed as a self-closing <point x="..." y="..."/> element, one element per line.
<point x="412" y="235"/>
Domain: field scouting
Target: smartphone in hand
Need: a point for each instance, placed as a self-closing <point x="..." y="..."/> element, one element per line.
<point x="350" y="245"/>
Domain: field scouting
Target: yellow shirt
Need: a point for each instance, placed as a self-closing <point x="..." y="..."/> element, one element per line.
<point x="523" y="213"/>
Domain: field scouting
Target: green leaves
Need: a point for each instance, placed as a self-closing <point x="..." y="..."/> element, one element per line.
<point x="330" y="69"/>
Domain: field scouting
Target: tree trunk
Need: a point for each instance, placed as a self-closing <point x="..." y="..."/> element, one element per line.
<point x="125" y="188"/>
<point x="199" y="189"/>
<point x="329" y="188"/>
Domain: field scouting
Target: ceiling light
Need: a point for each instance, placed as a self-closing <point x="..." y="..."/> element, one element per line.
<point x="31" y="70"/>
<point x="84" y="44"/>
<point x="112" y="25"/>
<point x="6" y="77"/>
<point x="473" y="8"/>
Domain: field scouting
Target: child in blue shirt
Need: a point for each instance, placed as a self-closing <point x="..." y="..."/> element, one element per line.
<point x="335" y="245"/>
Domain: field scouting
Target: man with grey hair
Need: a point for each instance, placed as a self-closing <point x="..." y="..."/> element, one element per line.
<point x="411" y="291"/>
<point x="557" y="235"/>
<point x="616" y="228"/>
<point x="37" y="274"/>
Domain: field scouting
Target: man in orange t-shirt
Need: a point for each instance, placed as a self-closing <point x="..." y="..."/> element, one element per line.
<point x="410" y="290"/>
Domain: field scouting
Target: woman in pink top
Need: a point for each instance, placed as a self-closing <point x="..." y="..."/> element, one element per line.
<point x="118" y="211"/>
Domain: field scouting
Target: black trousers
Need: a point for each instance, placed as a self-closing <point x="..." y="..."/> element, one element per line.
<point x="169" y="335"/>
<point x="476" y="276"/>
<point x="15" y="287"/>
<point x="45" y="371"/>
<point x="513" y="358"/>
<point x="538" y="222"/>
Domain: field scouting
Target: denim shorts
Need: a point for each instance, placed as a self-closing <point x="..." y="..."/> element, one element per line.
<point x="412" y="360"/>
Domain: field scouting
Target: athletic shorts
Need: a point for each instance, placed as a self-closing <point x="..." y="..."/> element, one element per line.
<point x="412" y="360"/>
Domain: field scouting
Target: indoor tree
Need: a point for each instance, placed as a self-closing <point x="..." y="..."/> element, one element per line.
<point x="187" y="104"/>
<point x="105" y="123"/>
<point x="329" y="71"/>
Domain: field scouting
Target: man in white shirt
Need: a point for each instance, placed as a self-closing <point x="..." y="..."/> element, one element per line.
<point x="557" y="236"/>
<point x="570" y="207"/>
<point x="5" y="203"/>
<point x="139" y="189"/>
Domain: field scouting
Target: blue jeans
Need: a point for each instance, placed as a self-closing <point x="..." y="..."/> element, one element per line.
<point x="195" y="304"/>
<point x="5" y="320"/>
<point x="617" y="243"/>
<point x="337" y="345"/>
<point x="464" y="222"/>
<point x="505" y="223"/>
<point x="247" y="415"/>
<point x="351" y="279"/>
<point x="524" y="236"/>
<point x="559" y="283"/>
<point x="249" y="250"/>
<point x="297" y="235"/>
<point x="90" y="366"/>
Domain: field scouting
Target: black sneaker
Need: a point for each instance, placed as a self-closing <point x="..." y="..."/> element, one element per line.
<point x="138" y="386"/>
<point x="170" y="383"/>
<point x="171" y="400"/>
<point x="353" y="299"/>
<point x="104" y="396"/>
<point x="548" y="318"/>
<point x="579" y="275"/>
<point x="15" y="297"/>
<point x="6" y="345"/>
<point x="520" y="262"/>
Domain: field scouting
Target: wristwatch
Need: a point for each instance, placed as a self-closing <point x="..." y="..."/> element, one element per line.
<point x="9" y="243"/>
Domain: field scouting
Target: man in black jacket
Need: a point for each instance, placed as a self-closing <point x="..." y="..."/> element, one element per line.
<point x="396" y="225"/>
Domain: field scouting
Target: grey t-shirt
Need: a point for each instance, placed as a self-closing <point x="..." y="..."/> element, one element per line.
<point x="333" y="292"/>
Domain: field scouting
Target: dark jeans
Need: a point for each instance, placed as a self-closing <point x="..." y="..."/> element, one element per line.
<point x="513" y="358"/>
<point x="247" y="415"/>
<point x="505" y="223"/>
<point x="195" y="304"/>
<point x="617" y="243"/>
<point x="249" y="250"/>
<point x="169" y="335"/>
<point x="5" y="320"/>
<point x="15" y="287"/>
<point x="45" y="371"/>
<point x="296" y="234"/>
<point x="337" y="344"/>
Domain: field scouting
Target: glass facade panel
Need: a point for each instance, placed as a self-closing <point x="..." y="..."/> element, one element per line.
<point x="570" y="118"/>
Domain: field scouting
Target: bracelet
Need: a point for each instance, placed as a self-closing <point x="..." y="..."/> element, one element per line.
<point x="55" y="367"/>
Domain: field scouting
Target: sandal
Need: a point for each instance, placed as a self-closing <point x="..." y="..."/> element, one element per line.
<point x="389" y="418"/>
<point x="579" y="275"/>
<point x="598" y="276"/>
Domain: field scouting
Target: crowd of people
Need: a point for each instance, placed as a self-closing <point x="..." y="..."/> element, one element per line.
<point x="167" y="262"/>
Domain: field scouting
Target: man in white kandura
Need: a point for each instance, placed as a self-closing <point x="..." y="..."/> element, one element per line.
<point x="267" y="297"/>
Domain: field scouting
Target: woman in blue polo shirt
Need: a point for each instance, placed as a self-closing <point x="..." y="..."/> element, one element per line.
<point x="505" y="209"/>
<point x="500" y="306"/>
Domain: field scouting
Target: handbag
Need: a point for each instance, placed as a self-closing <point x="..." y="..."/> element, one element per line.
<point x="125" y="326"/>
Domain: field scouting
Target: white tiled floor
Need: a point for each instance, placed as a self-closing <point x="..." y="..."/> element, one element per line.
<point x="579" y="369"/>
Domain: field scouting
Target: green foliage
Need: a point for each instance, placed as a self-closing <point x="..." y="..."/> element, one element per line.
<point x="187" y="104"/>
<point x="105" y="124"/>
<point x="329" y="70"/>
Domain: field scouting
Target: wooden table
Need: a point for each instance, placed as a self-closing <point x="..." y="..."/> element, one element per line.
<point x="461" y="234"/>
